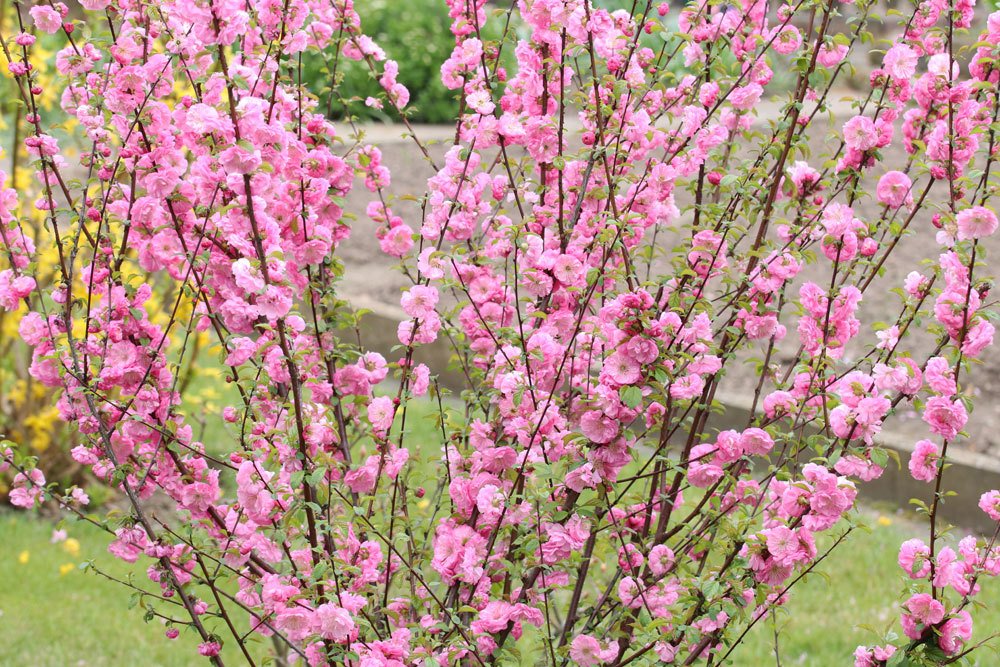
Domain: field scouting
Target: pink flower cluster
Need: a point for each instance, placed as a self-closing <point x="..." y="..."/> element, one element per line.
<point x="599" y="250"/>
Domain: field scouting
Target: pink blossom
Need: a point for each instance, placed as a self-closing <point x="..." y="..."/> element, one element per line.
<point x="949" y="571"/>
<point x="333" y="622"/>
<point x="784" y="546"/>
<point x="803" y="176"/>
<point x="922" y="612"/>
<point x="702" y="471"/>
<point x="956" y="632"/>
<point x="594" y="315"/>
<point x="989" y="502"/>
<point x="622" y="368"/>
<point x="420" y="380"/>
<point x="661" y="559"/>
<point x="860" y="133"/>
<point x="27" y="489"/>
<point x="295" y="621"/>
<point x="945" y="417"/>
<point x="13" y="289"/>
<point x="380" y="414"/>
<point x="978" y="338"/>
<point x="584" y="477"/>
<point x="458" y="553"/>
<point x="924" y="461"/>
<point x="419" y="301"/>
<point x="397" y="241"/>
<point x="873" y="657"/>
<point x="130" y="543"/>
<point x="419" y="332"/>
<point x="241" y="349"/>
<point x="46" y="18"/>
<point x="563" y="540"/>
<point x="756" y="441"/>
<point x="830" y="55"/>
<point x="598" y="427"/>
<point x="687" y="387"/>
<point x="976" y="223"/>
<point x="900" y="61"/>
<point x="913" y="558"/>
<point x="587" y="651"/>
<point x="915" y="283"/>
<point x="940" y="376"/>
<point x="894" y="189"/>
<point x="209" y="649"/>
<point x="746" y="97"/>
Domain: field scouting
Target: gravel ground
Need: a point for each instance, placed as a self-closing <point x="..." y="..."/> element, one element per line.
<point x="370" y="276"/>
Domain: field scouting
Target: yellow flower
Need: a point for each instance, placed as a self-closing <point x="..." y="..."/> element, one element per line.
<point x="207" y="394"/>
<point x="41" y="425"/>
<point x="72" y="547"/>
<point x="66" y="568"/>
<point x="183" y="87"/>
<point x="12" y="320"/>
<point x="23" y="557"/>
<point x="18" y="393"/>
<point x="884" y="520"/>
<point x="210" y="371"/>
<point x="79" y="325"/>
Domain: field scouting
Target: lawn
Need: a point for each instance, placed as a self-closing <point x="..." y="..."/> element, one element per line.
<point x="854" y="594"/>
<point x="52" y="613"/>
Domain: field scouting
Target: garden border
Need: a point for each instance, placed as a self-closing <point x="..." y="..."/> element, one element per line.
<point x="970" y="472"/>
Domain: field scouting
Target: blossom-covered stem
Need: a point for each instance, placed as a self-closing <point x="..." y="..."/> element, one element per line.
<point x="792" y="119"/>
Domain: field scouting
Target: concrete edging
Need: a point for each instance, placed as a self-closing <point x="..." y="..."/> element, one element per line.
<point x="969" y="473"/>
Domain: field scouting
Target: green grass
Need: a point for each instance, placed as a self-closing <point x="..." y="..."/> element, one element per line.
<point x="71" y="617"/>
<point x="852" y="600"/>
<point x="75" y="617"/>
<point x="78" y="618"/>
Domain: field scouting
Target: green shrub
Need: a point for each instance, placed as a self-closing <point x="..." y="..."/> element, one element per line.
<point x="416" y="34"/>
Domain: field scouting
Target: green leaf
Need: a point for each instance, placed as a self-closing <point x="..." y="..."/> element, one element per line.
<point x="631" y="396"/>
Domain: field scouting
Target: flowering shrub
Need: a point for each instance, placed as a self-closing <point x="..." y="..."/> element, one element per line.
<point x="28" y="414"/>
<point x="415" y="32"/>
<point x="603" y="243"/>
